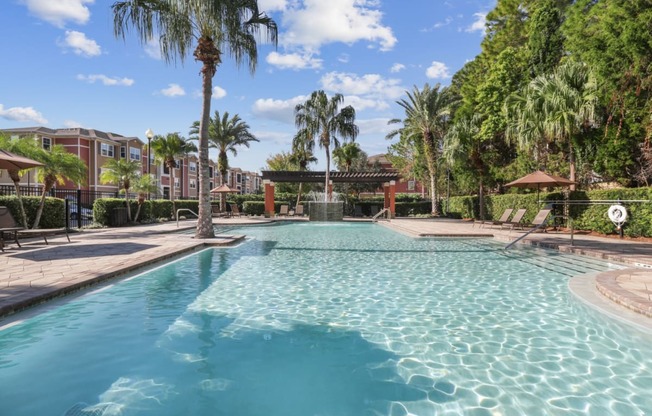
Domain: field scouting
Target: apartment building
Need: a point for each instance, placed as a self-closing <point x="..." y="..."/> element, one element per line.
<point x="96" y="147"/>
<point x="408" y="186"/>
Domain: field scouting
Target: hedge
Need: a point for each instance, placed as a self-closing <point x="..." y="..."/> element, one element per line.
<point x="53" y="211"/>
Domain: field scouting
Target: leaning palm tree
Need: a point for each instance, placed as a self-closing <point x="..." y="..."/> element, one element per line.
<point x="58" y="165"/>
<point x="225" y="134"/>
<point x="167" y="149"/>
<point x="427" y="113"/>
<point x="302" y="155"/>
<point x="212" y="27"/>
<point x="21" y="147"/>
<point x="121" y="172"/>
<point x="322" y="119"/>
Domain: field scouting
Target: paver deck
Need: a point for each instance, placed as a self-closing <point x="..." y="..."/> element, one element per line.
<point x="36" y="272"/>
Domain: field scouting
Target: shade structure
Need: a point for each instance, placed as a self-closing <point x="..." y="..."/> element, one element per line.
<point x="223" y="189"/>
<point x="11" y="161"/>
<point x="537" y="180"/>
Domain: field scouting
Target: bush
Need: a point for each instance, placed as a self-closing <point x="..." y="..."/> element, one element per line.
<point x="53" y="211"/>
<point x="405" y="209"/>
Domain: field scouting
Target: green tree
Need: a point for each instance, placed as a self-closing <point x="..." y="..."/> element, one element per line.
<point x="22" y="147"/>
<point x="58" y="165"/>
<point x="225" y="134"/>
<point x="282" y="162"/>
<point x="346" y="155"/>
<point x="546" y="40"/>
<point x="167" y="149"/>
<point x="303" y="147"/>
<point x="427" y="115"/>
<point x="212" y="27"/>
<point x="321" y="118"/>
<point x="144" y="185"/>
<point x="121" y="172"/>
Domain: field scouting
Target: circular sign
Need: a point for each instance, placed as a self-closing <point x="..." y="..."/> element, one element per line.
<point x="617" y="214"/>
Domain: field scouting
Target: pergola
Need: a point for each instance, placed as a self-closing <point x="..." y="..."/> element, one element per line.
<point x="388" y="179"/>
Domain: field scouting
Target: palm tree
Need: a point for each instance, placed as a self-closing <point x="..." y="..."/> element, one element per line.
<point x="167" y="149"/>
<point x="121" y="172"/>
<point x="215" y="27"/>
<point x="302" y="155"/>
<point x="347" y="154"/>
<point x="321" y="118"/>
<point x="22" y="147"/>
<point x="427" y="113"/>
<point x="143" y="186"/>
<point x="58" y="165"/>
<point x="225" y="134"/>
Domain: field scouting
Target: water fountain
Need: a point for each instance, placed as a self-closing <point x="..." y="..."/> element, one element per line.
<point x="325" y="211"/>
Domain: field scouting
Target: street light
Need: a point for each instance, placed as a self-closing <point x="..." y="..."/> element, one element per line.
<point x="149" y="134"/>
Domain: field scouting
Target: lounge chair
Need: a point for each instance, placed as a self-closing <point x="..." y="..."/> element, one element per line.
<point x="217" y="213"/>
<point x="283" y="212"/>
<point x="503" y="219"/>
<point x="9" y="226"/>
<point x="515" y="221"/>
<point x="298" y="210"/>
<point x="357" y="211"/>
<point x="235" y="212"/>
<point x="539" y="219"/>
<point x="374" y="210"/>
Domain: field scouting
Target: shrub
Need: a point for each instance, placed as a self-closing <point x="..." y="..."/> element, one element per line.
<point x="53" y="211"/>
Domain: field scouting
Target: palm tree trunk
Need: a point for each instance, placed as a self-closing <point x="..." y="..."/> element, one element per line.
<point x="433" y="196"/>
<point x="481" y="199"/>
<point x="327" y="196"/>
<point x="16" y="178"/>
<point x="39" y="211"/>
<point x="128" y="207"/>
<point x="571" y="162"/>
<point x="299" y="193"/>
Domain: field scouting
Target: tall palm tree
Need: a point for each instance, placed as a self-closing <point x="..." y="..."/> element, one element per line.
<point x="302" y="155"/>
<point x="167" y="149"/>
<point x="212" y="27"/>
<point x="347" y="154"/>
<point x="225" y="134"/>
<point x="427" y="114"/>
<point x="121" y="172"/>
<point x="22" y="147"/>
<point x="322" y="119"/>
<point x="58" y="165"/>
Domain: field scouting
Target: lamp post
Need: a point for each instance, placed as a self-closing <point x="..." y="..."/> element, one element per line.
<point x="149" y="134"/>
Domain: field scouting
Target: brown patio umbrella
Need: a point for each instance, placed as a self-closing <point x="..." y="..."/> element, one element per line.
<point x="538" y="180"/>
<point x="11" y="161"/>
<point x="223" y="189"/>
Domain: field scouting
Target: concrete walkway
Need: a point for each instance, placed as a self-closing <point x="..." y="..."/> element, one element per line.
<point x="36" y="273"/>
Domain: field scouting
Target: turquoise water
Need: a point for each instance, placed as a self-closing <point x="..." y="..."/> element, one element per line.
<point x="349" y="319"/>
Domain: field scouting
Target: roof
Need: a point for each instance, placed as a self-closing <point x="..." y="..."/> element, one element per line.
<point x="336" y="177"/>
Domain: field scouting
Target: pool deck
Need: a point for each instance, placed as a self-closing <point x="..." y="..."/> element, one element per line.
<point x="35" y="272"/>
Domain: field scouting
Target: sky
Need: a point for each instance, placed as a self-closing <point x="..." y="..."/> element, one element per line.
<point x="63" y="67"/>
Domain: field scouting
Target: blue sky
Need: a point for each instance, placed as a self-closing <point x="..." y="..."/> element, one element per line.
<point x="63" y="67"/>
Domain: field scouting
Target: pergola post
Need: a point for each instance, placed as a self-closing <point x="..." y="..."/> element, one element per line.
<point x="386" y="195"/>
<point x="269" y="198"/>
<point x="392" y="199"/>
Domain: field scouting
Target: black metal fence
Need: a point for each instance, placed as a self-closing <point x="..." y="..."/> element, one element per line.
<point x="78" y="203"/>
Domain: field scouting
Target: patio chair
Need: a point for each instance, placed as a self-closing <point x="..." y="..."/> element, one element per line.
<point x="539" y="219"/>
<point x="217" y="213"/>
<point x="503" y="219"/>
<point x="298" y="210"/>
<point x="9" y="226"/>
<point x="516" y="219"/>
<point x="283" y="212"/>
<point x="235" y="212"/>
<point x="357" y="211"/>
<point x="374" y="210"/>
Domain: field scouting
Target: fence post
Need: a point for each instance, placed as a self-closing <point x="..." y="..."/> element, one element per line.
<point x="79" y="209"/>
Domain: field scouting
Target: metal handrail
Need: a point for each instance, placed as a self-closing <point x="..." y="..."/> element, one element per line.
<point x="375" y="217"/>
<point x="185" y="209"/>
<point x="543" y="224"/>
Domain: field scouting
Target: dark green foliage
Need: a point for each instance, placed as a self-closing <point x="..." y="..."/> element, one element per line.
<point x="546" y="41"/>
<point x="406" y="209"/>
<point x="53" y="211"/>
<point x="192" y="205"/>
<point x="161" y="208"/>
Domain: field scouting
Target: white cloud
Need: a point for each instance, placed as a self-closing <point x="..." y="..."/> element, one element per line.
<point x="153" y="49"/>
<point x="362" y="103"/>
<point x="272" y="5"/>
<point x="72" y="124"/>
<point x="344" y="58"/>
<point x="294" y="61"/>
<point x="377" y="126"/>
<point x="478" y="24"/>
<point x="320" y="22"/>
<point x="218" y="92"/>
<point x="173" y="90"/>
<point x="368" y="84"/>
<point x="108" y="81"/>
<point x="438" y="70"/>
<point x="58" y="12"/>
<point x="80" y="44"/>
<point x="278" y="110"/>
<point x="282" y="139"/>
<point x="397" y="68"/>
<point x="22" y="114"/>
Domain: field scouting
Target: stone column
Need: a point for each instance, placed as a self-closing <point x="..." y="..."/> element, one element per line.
<point x="269" y="198"/>
<point x="392" y="199"/>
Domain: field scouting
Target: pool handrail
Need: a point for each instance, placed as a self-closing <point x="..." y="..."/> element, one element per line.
<point x="185" y="209"/>
<point x="383" y="211"/>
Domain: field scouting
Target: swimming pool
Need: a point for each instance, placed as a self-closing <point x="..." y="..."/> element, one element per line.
<point x="336" y="319"/>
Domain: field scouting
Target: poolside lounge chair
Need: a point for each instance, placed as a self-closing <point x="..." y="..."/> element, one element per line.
<point x="235" y="212"/>
<point x="9" y="226"/>
<point x="539" y="219"/>
<point x="515" y="221"/>
<point x="283" y="211"/>
<point x="374" y="210"/>
<point x="503" y="219"/>
<point x="357" y="211"/>
<point x="216" y="213"/>
<point x="298" y="210"/>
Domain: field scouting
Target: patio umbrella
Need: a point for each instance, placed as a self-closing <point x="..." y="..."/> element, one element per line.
<point x="10" y="161"/>
<point x="223" y="189"/>
<point x="538" y="180"/>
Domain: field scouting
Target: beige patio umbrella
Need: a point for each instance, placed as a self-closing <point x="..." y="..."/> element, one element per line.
<point x="11" y="161"/>
<point x="538" y="180"/>
<point x="223" y="190"/>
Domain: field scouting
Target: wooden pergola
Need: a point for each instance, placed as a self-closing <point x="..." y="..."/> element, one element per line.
<point x="387" y="179"/>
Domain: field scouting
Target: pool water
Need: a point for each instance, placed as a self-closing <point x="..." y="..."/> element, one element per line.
<point x="338" y="319"/>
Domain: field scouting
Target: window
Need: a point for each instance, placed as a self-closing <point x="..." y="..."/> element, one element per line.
<point x="47" y="143"/>
<point x="123" y="152"/>
<point x="193" y="185"/>
<point x="192" y="166"/>
<point x="210" y="173"/>
<point x="411" y="185"/>
<point x="134" y="153"/>
<point x="107" y="149"/>
<point x="238" y="178"/>
<point x="176" y="183"/>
